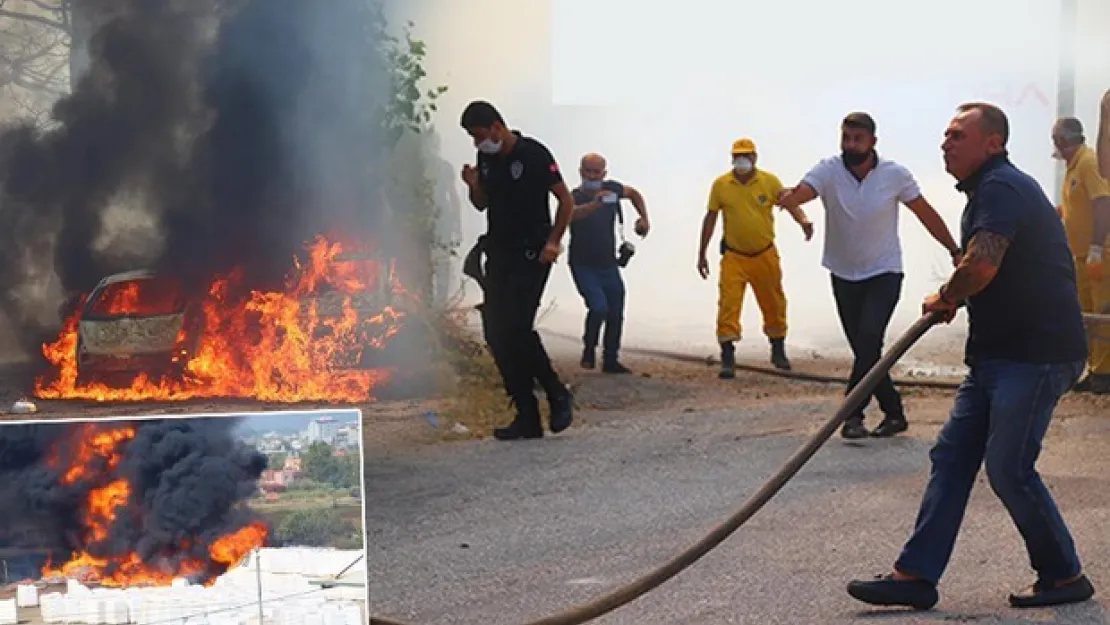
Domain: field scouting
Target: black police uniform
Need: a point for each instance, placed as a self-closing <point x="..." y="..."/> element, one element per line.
<point x="517" y="186"/>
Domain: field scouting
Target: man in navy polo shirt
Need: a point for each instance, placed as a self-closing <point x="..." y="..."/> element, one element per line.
<point x="1026" y="347"/>
<point x="593" y="258"/>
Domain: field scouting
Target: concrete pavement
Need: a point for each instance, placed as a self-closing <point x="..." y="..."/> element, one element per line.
<point x="489" y="532"/>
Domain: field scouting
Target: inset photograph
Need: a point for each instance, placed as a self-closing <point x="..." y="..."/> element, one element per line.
<point x="223" y="519"/>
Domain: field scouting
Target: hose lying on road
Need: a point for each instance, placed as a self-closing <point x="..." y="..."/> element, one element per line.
<point x="791" y="375"/>
<point x="630" y="592"/>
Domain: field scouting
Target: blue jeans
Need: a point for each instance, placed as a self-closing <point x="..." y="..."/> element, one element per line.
<point x="602" y="288"/>
<point x="1001" y="414"/>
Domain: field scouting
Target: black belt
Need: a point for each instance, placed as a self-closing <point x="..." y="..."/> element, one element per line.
<point x="726" y="248"/>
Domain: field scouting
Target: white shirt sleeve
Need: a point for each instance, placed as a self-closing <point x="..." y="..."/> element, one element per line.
<point x="820" y="176"/>
<point x="908" y="190"/>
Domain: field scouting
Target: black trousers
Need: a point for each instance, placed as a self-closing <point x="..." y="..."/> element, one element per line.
<point x="514" y="287"/>
<point x="865" y="308"/>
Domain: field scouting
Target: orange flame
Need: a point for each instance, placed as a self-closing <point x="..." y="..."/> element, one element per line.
<point x="275" y="346"/>
<point x="104" y="504"/>
<point x="233" y="548"/>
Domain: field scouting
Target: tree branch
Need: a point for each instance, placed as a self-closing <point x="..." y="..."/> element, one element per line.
<point x="37" y="19"/>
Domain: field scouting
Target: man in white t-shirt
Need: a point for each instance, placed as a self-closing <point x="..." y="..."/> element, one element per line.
<point x="861" y="193"/>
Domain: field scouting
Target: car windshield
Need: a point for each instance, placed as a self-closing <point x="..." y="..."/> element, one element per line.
<point x="139" y="297"/>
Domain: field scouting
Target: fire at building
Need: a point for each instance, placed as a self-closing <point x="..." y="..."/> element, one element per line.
<point x="133" y="503"/>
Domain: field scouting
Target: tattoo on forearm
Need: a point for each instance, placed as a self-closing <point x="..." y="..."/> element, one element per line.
<point x="987" y="248"/>
<point x="984" y="255"/>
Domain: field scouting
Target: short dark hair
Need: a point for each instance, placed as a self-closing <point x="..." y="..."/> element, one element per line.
<point x="1072" y="128"/>
<point x="860" y="120"/>
<point x="480" y="114"/>
<point x="994" y="120"/>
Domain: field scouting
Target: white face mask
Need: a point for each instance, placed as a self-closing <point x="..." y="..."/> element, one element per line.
<point x="489" y="147"/>
<point x="742" y="164"/>
<point x="591" y="185"/>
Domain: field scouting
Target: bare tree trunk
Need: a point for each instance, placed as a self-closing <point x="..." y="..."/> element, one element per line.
<point x="85" y="17"/>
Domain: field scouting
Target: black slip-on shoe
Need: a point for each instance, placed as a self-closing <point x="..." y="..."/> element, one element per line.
<point x="1041" y="595"/>
<point x="884" y="590"/>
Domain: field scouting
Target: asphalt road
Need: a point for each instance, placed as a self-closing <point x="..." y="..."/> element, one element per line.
<point x="489" y="532"/>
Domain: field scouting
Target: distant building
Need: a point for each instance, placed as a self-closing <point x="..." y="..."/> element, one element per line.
<point x="347" y="436"/>
<point x="323" y="430"/>
<point x="272" y="443"/>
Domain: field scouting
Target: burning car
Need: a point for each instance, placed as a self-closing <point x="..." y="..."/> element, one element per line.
<point x="143" y="335"/>
<point x="136" y="322"/>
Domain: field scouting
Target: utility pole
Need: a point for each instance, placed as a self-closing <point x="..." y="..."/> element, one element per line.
<point x="1066" y="73"/>
<point x="258" y="576"/>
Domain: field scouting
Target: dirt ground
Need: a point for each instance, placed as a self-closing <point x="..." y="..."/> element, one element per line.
<point x="664" y="385"/>
<point x="658" y="384"/>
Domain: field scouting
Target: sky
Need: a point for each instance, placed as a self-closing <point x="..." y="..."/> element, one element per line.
<point x="662" y="89"/>
<point x="296" y="420"/>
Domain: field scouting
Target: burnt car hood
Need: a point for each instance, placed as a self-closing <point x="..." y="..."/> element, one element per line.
<point x="126" y="336"/>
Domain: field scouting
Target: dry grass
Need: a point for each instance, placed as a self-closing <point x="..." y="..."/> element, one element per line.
<point x="467" y="379"/>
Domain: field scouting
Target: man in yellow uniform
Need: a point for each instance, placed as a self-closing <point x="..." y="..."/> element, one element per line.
<point x="1085" y="209"/>
<point x="747" y="196"/>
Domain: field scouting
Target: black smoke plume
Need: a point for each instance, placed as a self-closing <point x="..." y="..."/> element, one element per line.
<point x="188" y="481"/>
<point x="239" y="129"/>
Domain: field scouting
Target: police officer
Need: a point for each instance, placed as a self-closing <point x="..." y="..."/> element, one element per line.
<point x="511" y="183"/>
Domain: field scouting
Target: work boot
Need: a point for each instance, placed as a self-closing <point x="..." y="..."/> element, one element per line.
<point x="520" y="429"/>
<point x="778" y="354"/>
<point x="1100" y="384"/>
<point x="853" y="429"/>
<point x="610" y="364"/>
<point x="562" y="410"/>
<point x="589" y="359"/>
<point x="890" y="426"/>
<point x="728" y="361"/>
<point x="526" y="425"/>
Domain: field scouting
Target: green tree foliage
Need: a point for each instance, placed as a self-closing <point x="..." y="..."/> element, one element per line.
<point x="411" y="106"/>
<point x="316" y="527"/>
<point x="408" y="121"/>
<point x="320" y="464"/>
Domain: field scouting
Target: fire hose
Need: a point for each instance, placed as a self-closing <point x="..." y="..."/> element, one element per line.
<point x="637" y="588"/>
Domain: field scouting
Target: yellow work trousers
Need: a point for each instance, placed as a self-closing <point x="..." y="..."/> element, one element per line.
<point x="1095" y="298"/>
<point x="764" y="273"/>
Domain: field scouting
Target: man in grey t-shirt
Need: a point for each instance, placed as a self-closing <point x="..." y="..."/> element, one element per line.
<point x="861" y="193"/>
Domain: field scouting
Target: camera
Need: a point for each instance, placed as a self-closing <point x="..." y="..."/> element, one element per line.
<point x="624" y="253"/>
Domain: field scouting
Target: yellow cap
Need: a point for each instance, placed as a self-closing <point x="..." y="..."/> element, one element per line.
<point x="743" y="146"/>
